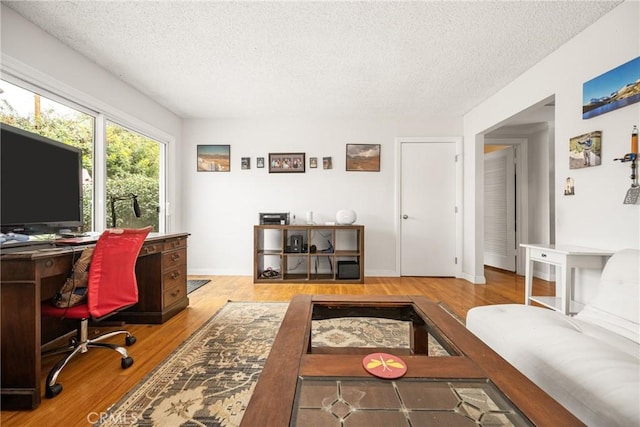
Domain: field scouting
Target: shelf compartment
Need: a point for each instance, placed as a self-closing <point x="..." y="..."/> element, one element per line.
<point x="268" y="245"/>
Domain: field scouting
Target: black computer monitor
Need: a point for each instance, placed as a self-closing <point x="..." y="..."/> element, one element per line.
<point x="40" y="183"/>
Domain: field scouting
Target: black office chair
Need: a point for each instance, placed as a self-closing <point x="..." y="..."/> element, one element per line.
<point x="111" y="287"/>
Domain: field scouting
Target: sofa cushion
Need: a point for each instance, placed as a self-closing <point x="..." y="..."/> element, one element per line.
<point x="616" y="304"/>
<point x="592" y="372"/>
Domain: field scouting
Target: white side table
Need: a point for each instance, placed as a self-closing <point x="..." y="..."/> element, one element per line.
<point x="565" y="258"/>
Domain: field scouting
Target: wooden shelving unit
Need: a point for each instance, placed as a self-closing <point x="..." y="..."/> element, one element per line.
<point x="328" y="254"/>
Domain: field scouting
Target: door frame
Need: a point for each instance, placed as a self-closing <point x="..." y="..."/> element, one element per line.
<point x="459" y="194"/>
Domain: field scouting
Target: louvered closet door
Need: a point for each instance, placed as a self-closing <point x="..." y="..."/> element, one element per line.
<point x="499" y="209"/>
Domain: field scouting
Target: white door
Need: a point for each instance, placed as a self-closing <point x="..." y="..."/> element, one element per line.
<point x="499" y="209"/>
<point x="428" y="209"/>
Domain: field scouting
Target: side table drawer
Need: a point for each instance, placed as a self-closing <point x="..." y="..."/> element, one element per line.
<point x="174" y="258"/>
<point x="547" y="256"/>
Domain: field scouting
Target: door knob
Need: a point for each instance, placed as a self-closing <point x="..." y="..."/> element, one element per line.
<point x="405" y="216"/>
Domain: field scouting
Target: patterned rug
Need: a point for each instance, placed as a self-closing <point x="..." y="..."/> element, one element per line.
<point x="208" y="380"/>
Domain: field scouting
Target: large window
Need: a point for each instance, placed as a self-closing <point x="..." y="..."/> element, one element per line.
<point x="38" y="114"/>
<point x="132" y="167"/>
<point x="133" y="175"/>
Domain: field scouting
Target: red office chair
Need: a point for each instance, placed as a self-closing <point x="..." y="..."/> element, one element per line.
<point x="111" y="287"/>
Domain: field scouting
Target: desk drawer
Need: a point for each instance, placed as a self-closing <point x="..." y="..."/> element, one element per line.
<point x="176" y="293"/>
<point x="175" y="277"/>
<point x="151" y="248"/>
<point x="53" y="266"/>
<point x="547" y="256"/>
<point x="174" y="258"/>
<point x="171" y="244"/>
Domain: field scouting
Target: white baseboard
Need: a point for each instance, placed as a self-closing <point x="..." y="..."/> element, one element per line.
<point x="476" y="280"/>
<point x="381" y="273"/>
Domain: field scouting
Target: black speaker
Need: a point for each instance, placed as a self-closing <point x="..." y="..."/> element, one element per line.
<point x="296" y="242"/>
<point x="348" y="270"/>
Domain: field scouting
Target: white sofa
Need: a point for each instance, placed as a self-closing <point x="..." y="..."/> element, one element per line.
<point x="589" y="363"/>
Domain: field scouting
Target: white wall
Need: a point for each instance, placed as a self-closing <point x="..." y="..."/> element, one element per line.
<point x="221" y="208"/>
<point x="34" y="56"/>
<point x="540" y="180"/>
<point x="595" y="216"/>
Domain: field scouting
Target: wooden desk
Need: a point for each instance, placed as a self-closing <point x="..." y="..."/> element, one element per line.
<point x="29" y="276"/>
<point x="292" y="363"/>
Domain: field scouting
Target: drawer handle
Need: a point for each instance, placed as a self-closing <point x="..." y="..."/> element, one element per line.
<point x="175" y="257"/>
<point x="543" y="255"/>
<point x="48" y="263"/>
<point x="175" y="275"/>
<point x="176" y="293"/>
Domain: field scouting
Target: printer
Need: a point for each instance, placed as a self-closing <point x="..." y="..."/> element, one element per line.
<point x="274" y="218"/>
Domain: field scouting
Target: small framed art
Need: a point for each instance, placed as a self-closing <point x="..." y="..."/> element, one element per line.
<point x="585" y="150"/>
<point x="313" y="162"/>
<point x="214" y="158"/>
<point x="327" y="163"/>
<point x="286" y="163"/>
<point x="569" y="187"/>
<point x="260" y="162"/>
<point x="363" y="157"/>
<point x="246" y="162"/>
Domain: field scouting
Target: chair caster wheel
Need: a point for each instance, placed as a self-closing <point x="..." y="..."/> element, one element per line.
<point x="53" y="391"/>
<point x="130" y="340"/>
<point x="126" y="362"/>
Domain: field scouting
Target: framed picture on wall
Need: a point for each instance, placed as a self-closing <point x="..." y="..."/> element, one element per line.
<point x="569" y="187"/>
<point x="286" y="163"/>
<point x="327" y="163"/>
<point x="313" y="162"/>
<point x="614" y="89"/>
<point x="363" y="157"/>
<point x="214" y="158"/>
<point x="585" y="150"/>
<point x="260" y="162"/>
<point x="245" y="162"/>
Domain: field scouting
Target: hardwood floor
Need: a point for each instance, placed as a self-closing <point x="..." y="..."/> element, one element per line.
<point x="94" y="381"/>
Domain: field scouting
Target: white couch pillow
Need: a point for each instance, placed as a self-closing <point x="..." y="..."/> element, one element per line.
<point x="616" y="304"/>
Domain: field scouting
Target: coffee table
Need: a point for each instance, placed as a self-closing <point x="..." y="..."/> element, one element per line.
<point x="304" y="385"/>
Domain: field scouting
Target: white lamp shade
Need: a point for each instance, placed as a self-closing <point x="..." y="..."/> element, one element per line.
<point x="345" y="217"/>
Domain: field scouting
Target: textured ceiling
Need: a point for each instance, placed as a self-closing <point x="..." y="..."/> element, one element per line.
<point x="203" y="59"/>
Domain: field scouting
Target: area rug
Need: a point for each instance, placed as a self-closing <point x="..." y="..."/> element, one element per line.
<point x="208" y="380"/>
<point x="192" y="285"/>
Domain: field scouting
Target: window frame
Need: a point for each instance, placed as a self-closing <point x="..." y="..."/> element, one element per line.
<point x="48" y="87"/>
